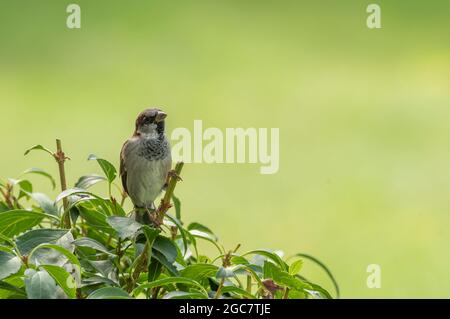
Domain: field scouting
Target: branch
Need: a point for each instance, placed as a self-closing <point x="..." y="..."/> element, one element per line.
<point x="165" y="202"/>
<point x="7" y="196"/>
<point x="60" y="158"/>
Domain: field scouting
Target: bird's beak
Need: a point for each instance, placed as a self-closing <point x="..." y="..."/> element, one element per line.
<point x="160" y="116"/>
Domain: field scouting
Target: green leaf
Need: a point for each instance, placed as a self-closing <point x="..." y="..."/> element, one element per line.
<point x="249" y="270"/>
<point x="75" y="191"/>
<point x="87" y="181"/>
<point x="163" y="260"/>
<point x="63" y="279"/>
<point x="109" y="293"/>
<point x="95" y="280"/>
<point x="237" y="291"/>
<point x="314" y="294"/>
<point x="33" y="238"/>
<point x="238" y="260"/>
<point x="125" y="226"/>
<point x="317" y="292"/>
<point x="166" y="247"/>
<point x="9" y="264"/>
<point x="324" y="267"/>
<point x="296" y="294"/>
<point x="47" y="205"/>
<point x="284" y="279"/>
<point x="7" y="240"/>
<point x="268" y="254"/>
<point x="25" y="187"/>
<point x="14" y="222"/>
<point x="198" y="272"/>
<point x="115" y="208"/>
<point x="105" y="267"/>
<point x="183" y="295"/>
<point x="183" y="232"/>
<point x="203" y="229"/>
<point x="295" y="267"/>
<point x="71" y="257"/>
<point x="13" y="290"/>
<point x="48" y="256"/>
<point x="154" y="269"/>
<point x="40" y="285"/>
<point x="91" y="243"/>
<point x="95" y="219"/>
<point x="107" y="167"/>
<point x="150" y="233"/>
<point x="208" y="237"/>
<point x="271" y="271"/>
<point x="105" y="206"/>
<point x="177" y="204"/>
<point x="4" y="207"/>
<point x="170" y="281"/>
<point x="38" y="148"/>
<point x="41" y="172"/>
<point x="225" y="272"/>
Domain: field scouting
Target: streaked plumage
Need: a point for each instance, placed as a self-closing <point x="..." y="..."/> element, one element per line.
<point x="145" y="159"/>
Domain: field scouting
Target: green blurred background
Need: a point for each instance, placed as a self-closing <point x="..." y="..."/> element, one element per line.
<point x="363" y="115"/>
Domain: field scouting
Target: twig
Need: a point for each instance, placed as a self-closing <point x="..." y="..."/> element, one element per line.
<point x="123" y="197"/>
<point x="165" y="202"/>
<point x="249" y="284"/>
<point x="286" y="293"/>
<point x="141" y="265"/>
<point x="60" y="158"/>
<point x="7" y="195"/>
<point x="173" y="232"/>
<point x="219" y="289"/>
<point x="226" y="262"/>
<point x="155" y="292"/>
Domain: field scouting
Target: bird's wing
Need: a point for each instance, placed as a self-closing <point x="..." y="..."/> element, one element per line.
<point x="123" y="171"/>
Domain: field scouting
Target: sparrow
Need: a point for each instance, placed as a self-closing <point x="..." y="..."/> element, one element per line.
<point x="145" y="163"/>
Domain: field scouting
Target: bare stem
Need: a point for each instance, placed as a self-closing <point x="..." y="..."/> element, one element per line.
<point x="141" y="265"/>
<point x="60" y="158"/>
<point x="173" y="232"/>
<point x="155" y="292"/>
<point x="165" y="202"/>
<point x="249" y="284"/>
<point x="286" y="293"/>
<point x="219" y="289"/>
<point x="226" y="262"/>
<point x="123" y="197"/>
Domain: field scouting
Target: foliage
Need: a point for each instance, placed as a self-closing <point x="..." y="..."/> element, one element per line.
<point x="107" y="254"/>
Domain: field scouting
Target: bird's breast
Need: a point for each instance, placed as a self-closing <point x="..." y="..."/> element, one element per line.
<point x="147" y="167"/>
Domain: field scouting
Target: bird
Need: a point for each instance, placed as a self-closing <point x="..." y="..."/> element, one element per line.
<point x="145" y="163"/>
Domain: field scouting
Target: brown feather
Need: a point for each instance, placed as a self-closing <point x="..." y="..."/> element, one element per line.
<point x="123" y="171"/>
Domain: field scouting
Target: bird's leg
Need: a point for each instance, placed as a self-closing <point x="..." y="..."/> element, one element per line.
<point x="152" y="216"/>
<point x="140" y="214"/>
<point x="147" y="216"/>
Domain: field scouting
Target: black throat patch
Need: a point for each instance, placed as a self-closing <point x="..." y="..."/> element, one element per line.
<point x="154" y="149"/>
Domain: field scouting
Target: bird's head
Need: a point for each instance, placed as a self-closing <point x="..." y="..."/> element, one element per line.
<point x="150" y="122"/>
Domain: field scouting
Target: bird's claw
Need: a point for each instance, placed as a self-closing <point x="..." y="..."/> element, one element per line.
<point x="155" y="221"/>
<point x="153" y="217"/>
<point x="174" y="174"/>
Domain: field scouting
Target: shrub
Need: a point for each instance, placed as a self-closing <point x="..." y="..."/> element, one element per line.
<point x="82" y="245"/>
